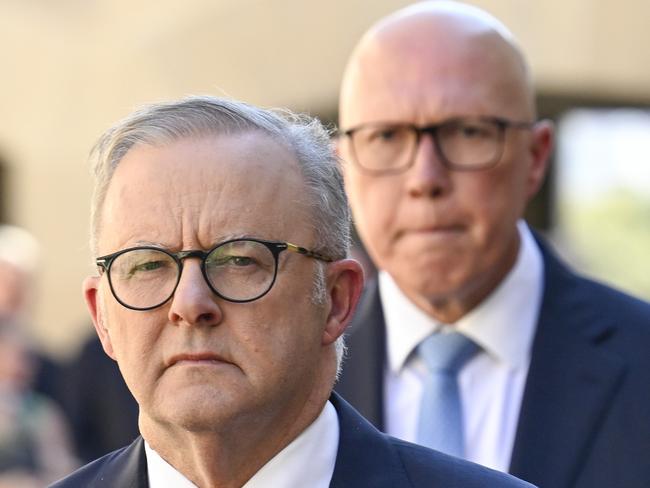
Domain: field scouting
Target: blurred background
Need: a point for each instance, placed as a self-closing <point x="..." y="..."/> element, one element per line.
<point x="69" y="68"/>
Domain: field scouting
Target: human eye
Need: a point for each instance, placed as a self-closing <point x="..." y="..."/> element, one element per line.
<point x="141" y="263"/>
<point x="147" y="266"/>
<point x="230" y="260"/>
<point x="238" y="255"/>
<point x="385" y="135"/>
<point x="474" y="130"/>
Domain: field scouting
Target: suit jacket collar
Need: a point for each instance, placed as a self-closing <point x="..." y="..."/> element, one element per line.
<point x="126" y="468"/>
<point x="571" y="381"/>
<point x="365" y="456"/>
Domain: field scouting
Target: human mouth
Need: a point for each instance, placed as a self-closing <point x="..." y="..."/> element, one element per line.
<point x="437" y="230"/>
<point x="197" y="359"/>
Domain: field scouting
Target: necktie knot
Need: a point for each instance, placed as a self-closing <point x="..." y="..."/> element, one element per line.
<point x="446" y="352"/>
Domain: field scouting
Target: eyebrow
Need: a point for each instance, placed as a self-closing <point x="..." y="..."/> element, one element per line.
<point x="221" y="238"/>
<point x="150" y="243"/>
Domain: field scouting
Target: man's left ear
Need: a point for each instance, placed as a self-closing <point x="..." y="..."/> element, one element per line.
<point x="541" y="145"/>
<point x="344" y="286"/>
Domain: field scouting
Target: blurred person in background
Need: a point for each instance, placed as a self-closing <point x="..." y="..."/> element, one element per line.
<point x="19" y="257"/>
<point x="19" y="261"/>
<point x="101" y="411"/>
<point x="34" y="443"/>
<point x="476" y="339"/>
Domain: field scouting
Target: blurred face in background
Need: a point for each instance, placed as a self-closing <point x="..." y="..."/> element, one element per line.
<point x="447" y="237"/>
<point x="16" y="362"/>
<point x="14" y="285"/>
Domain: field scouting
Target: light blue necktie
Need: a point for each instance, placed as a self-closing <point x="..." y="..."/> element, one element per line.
<point x="440" y="424"/>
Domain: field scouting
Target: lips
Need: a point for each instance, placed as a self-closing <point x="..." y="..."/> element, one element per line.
<point x="435" y="229"/>
<point x="196" y="357"/>
<point x="442" y="228"/>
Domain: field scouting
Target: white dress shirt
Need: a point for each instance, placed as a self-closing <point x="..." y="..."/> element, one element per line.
<point x="492" y="382"/>
<point x="307" y="461"/>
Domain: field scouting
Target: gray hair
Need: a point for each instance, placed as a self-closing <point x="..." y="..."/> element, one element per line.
<point x="199" y="116"/>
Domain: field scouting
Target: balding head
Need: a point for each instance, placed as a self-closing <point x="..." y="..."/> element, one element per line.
<point x="441" y="149"/>
<point x="430" y="45"/>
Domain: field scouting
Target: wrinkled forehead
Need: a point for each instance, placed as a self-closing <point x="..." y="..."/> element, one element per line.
<point x="201" y="187"/>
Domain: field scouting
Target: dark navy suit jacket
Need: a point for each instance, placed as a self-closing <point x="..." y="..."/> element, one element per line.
<point x="585" y="415"/>
<point x="365" y="458"/>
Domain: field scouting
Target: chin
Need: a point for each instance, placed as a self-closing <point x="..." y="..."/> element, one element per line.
<point x="434" y="268"/>
<point x="196" y="413"/>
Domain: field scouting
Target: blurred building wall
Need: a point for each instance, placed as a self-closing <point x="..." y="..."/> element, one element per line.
<point x="69" y="68"/>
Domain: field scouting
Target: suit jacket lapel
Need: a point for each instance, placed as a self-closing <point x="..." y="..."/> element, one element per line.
<point x="134" y="474"/>
<point x="362" y="382"/>
<point x="126" y="468"/>
<point x="571" y="382"/>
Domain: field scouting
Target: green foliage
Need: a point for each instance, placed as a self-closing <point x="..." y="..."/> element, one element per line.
<point x="612" y="236"/>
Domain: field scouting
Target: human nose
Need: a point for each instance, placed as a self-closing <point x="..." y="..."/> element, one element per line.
<point x="428" y="176"/>
<point x="194" y="302"/>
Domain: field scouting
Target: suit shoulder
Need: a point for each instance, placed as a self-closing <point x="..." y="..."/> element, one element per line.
<point x="426" y="467"/>
<point x="91" y="474"/>
<point x="607" y="302"/>
<point x="601" y="297"/>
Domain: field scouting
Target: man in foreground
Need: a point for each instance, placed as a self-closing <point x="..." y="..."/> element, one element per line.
<point x="222" y="232"/>
<point x="476" y="340"/>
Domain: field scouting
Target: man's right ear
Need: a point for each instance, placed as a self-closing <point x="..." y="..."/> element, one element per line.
<point x="90" y="288"/>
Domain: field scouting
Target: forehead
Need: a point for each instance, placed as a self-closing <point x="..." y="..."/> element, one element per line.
<point x="426" y="69"/>
<point x="197" y="191"/>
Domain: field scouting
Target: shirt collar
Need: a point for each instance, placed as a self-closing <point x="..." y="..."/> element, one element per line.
<point x="307" y="461"/>
<point x="161" y="473"/>
<point x="503" y="324"/>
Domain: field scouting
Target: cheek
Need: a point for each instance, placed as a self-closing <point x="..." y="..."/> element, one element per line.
<point x="134" y="337"/>
<point x="274" y="339"/>
<point x="375" y="205"/>
<point x="496" y="199"/>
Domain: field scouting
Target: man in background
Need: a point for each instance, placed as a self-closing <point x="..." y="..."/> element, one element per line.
<point x="99" y="409"/>
<point x="476" y="339"/>
<point x="19" y="261"/>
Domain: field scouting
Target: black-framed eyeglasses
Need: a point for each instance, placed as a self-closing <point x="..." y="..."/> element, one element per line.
<point x="462" y="144"/>
<point x="237" y="270"/>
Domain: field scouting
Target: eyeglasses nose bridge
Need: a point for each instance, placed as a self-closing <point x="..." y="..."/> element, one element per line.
<point x="195" y="253"/>
<point x="430" y="130"/>
<point x="181" y="256"/>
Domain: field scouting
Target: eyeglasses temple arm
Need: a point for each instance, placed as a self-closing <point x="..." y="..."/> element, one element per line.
<point x="101" y="264"/>
<point x="307" y="252"/>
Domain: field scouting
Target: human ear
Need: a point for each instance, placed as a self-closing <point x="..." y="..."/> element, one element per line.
<point x="90" y="289"/>
<point x="344" y="286"/>
<point x="541" y="144"/>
